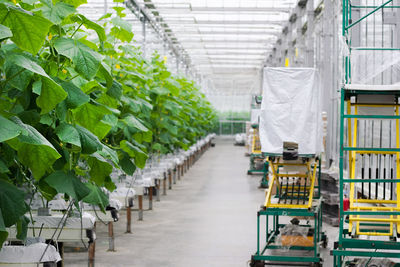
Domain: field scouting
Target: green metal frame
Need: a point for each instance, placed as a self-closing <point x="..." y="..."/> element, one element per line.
<point x="252" y="167"/>
<point x="358" y="246"/>
<point x="272" y="231"/>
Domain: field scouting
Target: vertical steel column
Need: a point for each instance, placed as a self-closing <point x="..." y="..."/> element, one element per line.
<point x="111" y="239"/>
<point x="396" y="32"/>
<point x="143" y="20"/>
<point x="310" y="34"/>
<point x="328" y="89"/>
<point x="289" y="44"/>
<point x="299" y="37"/>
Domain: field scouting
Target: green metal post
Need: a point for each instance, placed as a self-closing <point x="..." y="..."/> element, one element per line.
<point x="258" y="234"/>
<point x="341" y="165"/>
<point x="367" y="15"/>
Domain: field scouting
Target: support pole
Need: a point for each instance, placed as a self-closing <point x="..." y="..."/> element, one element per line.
<point x="111" y="239"/>
<point x="150" y="198"/>
<point x="140" y="199"/>
<point x="310" y="34"/>
<point x="169" y="179"/>
<point x="128" y="219"/>
<point x="158" y="190"/>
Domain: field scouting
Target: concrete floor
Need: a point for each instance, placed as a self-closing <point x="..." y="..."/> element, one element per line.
<point x="207" y="219"/>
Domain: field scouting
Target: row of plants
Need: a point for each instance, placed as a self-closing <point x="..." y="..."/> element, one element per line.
<point x="77" y="99"/>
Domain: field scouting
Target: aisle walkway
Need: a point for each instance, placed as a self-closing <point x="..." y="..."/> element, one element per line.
<point x="207" y="219"/>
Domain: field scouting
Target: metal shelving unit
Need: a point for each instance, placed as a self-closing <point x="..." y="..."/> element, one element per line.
<point x="369" y="148"/>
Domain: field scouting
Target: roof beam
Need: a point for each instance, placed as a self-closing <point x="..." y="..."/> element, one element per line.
<point x="224" y="22"/>
<point x="197" y="10"/>
<point x="203" y="33"/>
<point x="262" y="41"/>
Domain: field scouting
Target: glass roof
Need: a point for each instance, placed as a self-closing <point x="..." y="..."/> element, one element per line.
<point x="221" y="35"/>
<point x="223" y="44"/>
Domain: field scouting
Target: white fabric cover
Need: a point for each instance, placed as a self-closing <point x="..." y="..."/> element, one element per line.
<point x="29" y="254"/>
<point x="255" y="116"/>
<point x="71" y="222"/>
<point x="290" y="110"/>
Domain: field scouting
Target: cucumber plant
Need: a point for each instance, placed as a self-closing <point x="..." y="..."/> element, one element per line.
<point x="76" y="102"/>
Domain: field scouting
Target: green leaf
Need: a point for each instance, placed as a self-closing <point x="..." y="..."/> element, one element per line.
<point x="75" y="96"/>
<point x="86" y="61"/>
<point x="96" y="197"/>
<point x="8" y="129"/>
<point x="89" y="142"/>
<point x="115" y="90"/>
<point x="46" y="190"/>
<point x="75" y="3"/>
<point x="29" y="30"/>
<point x="127" y="165"/>
<point x="123" y="29"/>
<point x="56" y="13"/>
<point x="134" y="152"/>
<point x="51" y="93"/>
<point x="18" y="77"/>
<point x="99" y="169"/>
<point x="34" y="150"/>
<point x="105" y="73"/>
<point x="67" y="183"/>
<point x="131" y="121"/>
<point x="5" y="32"/>
<point x="22" y="227"/>
<point x="37" y="87"/>
<point x="147" y="136"/>
<point x="3" y="167"/>
<point x="91" y="25"/>
<point x="68" y="134"/>
<point x="12" y="203"/>
<point x="3" y="230"/>
<point x="109" y="153"/>
<point x="90" y="116"/>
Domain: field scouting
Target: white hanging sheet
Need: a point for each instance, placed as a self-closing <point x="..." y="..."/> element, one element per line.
<point x="290" y="110"/>
<point x="255" y="116"/>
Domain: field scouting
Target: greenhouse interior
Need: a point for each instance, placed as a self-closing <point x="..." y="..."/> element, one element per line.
<point x="199" y="133"/>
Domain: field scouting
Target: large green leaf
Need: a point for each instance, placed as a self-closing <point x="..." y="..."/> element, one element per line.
<point x="22" y="227"/>
<point x="3" y="230"/>
<point x="134" y="152"/>
<point x="17" y="77"/>
<point x="75" y="96"/>
<point x="123" y="29"/>
<point x="131" y="121"/>
<point x="68" y="134"/>
<point x="75" y="3"/>
<point x="99" y="169"/>
<point x="90" y="116"/>
<point x="67" y="183"/>
<point x="5" y="32"/>
<point x="96" y="197"/>
<point x="109" y="153"/>
<point x="56" y="13"/>
<point x="51" y="93"/>
<point x="34" y="150"/>
<point x="29" y="30"/>
<point x="12" y="203"/>
<point x="86" y="61"/>
<point x="115" y="90"/>
<point x="105" y="73"/>
<point x="8" y="129"/>
<point x="91" y="25"/>
<point x="126" y="164"/>
<point x="89" y="142"/>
